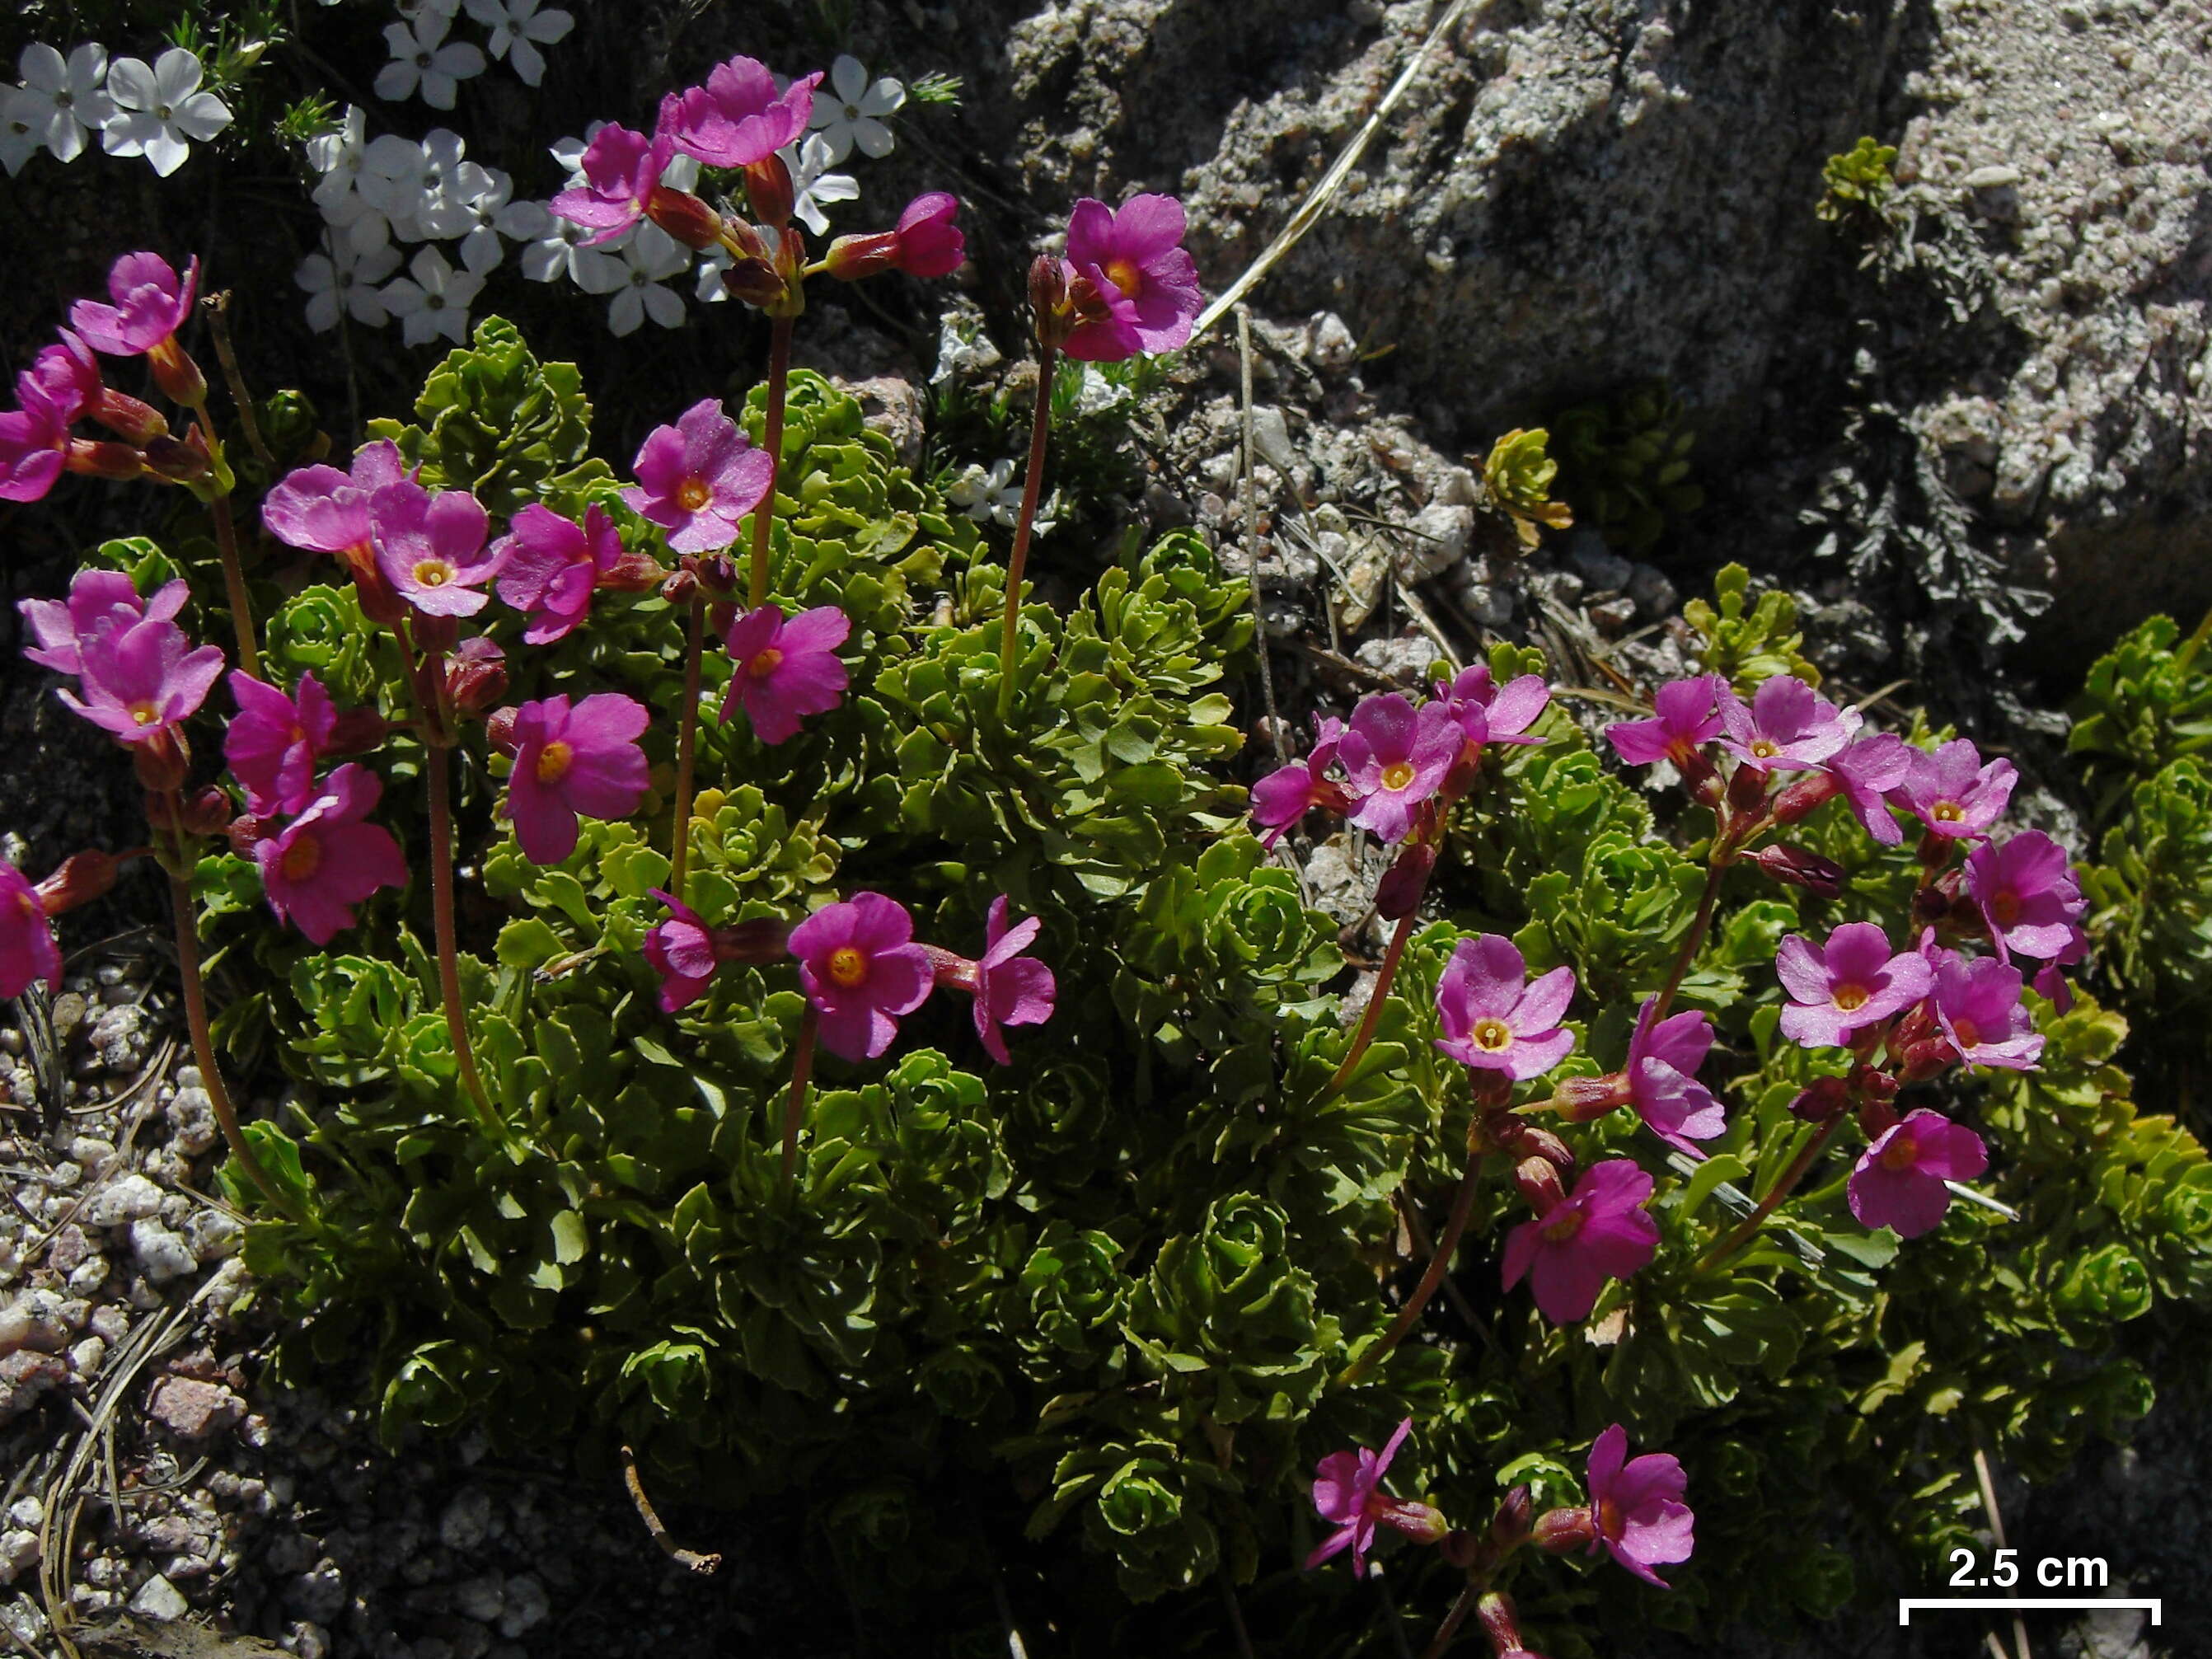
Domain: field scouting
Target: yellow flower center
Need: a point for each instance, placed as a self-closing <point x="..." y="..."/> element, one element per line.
<point x="434" y="572"/>
<point x="1766" y="748"/>
<point x="848" y="967"/>
<point x="1125" y="277"/>
<point x="764" y="663"/>
<point x="303" y="859"/>
<point x="554" y="761"/>
<point x="1947" y="812"/>
<point x="693" y="493"/>
<point x="1398" y="776"/>
<point x="1563" y="1223"/>
<point x="145" y="713"/>
<point x="1491" y="1035"/>
<point x="1850" y="996"/>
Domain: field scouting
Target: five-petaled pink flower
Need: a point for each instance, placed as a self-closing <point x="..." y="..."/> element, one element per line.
<point x="1148" y="280"/>
<point x="1494" y="1020"/>
<point x="328" y="860"/>
<point x="151" y="304"/>
<point x="1899" y="1181"/>
<point x="1788" y="726"/>
<point x="141" y="680"/>
<point x="783" y="671"/>
<point x="861" y="970"/>
<point x="1009" y="987"/>
<point x="1599" y="1232"/>
<point x="738" y="117"/>
<point x="272" y="744"/>
<point x="1952" y="793"/>
<point x="699" y="478"/>
<point x="1977" y="1004"/>
<point x="98" y="601"/>
<point x="322" y="510"/>
<point x="1395" y="757"/>
<point x="1289" y="792"/>
<point x="552" y="566"/>
<point x="431" y="549"/>
<point x="2028" y="897"/>
<point x="34" y="441"/>
<point x="1865" y="771"/>
<point x="1489" y="712"/>
<point x="1637" y="1511"/>
<point x="571" y="761"/>
<point x="1686" y="717"/>
<point x="687" y="953"/>
<point x="1347" y="1493"/>
<point x="621" y="169"/>
<point x="1854" y="981"/>
<point x="1662" y="1077"/>
<point x="27" y="950"/>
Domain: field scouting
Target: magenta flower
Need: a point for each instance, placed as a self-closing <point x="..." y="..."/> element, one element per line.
<point x="1662" y="1078"/>
<point x="927" y="243"/>
<point x="99" y="601"/>
<point x="1010" y="987"/>
<point x="682" y="951"/>
<point x="570" y="761"/>
<point x="143" y="679"/>
<point x="1952" y="793"/>
<point x="1489" y="712"/>
<point x="699" y="478"/>
<point x="1289" y="792"/>
<point x="552" y="566"/>
<point x="1686" y="717"/>
<point x="861" y="970"/>
<point x="64" y="376"/>
<point x="1347" y="1493"/>
<point x="1865" y="772"/>
<point x="1598" y="1233"/>
<point x="150" y="306"/>
<point x="1395" y="757"/>
<point x="272" y="744"/>
<point x="738" y="117"/>
<point x="1636" y="1507"/>
<point x="1148" y="281"/>
<point x="785" y="670"/>
<point x="1493" y="1020"/>
<point x="622" y="169"/>
<point x="2027" y="893"/>
<point x="34" y="442"/>
<point x="1899" y="1181"/>
<point x="1853" y="981"/>
<point x="1977" y="1005"/>
<point x="322" y="510"/>
<point x="2050" y="979"/>
<point x="1787" y="726"/>
<point x="27" y="950"/>
<point x="431" y="549"/>
<point x="328" y="860"/>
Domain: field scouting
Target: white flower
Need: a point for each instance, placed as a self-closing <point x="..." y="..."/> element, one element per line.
<point x="518" y="29"/>
<point x="569" y="153"/>
<point x="343" y="278"/>
<point x="435" y="303"/>
<point x="492" y="215"/>
<point x="159" y="109"/>
<point x="812" y="183"/>
<point x="365" y="229"/>
<point x="851" y="117"/>
<point x="993" y="497"/>
<point x="1097" y="394"/>
<point x="22" y="115"/>
<point x="558" y="251"/>
<point x="417" y="185"/>
<point x="712" y="263"/>
<point x="68" y="99"/>
<point x="339" y="156"/>
<point x="635" y="280"/>
<point x="420" y="56"/>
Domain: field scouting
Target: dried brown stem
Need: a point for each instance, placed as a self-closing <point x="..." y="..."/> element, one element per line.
<point x="674" y="1551"/>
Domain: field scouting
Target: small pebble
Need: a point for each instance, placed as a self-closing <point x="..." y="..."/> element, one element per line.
<point x="161" y="1600"/>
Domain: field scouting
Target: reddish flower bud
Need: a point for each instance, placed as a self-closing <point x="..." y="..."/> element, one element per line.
<point x="175" y="461"/>
<point x="128" y="418"/>
<point x="679" y="586"/>
<point x="850" y="258"/>
<point x="1499" y="1621"/>
<point x="633" y="572"/>
<point x="791" y="269"/>
<point x="1877" y="1118"/>
<point x="1048" y="299"/>
<point x="162" y="764"/>
<point x="1561" y="1531"/>
<point x="752" y="276"/>
<point x="246" y="831"/>
<point x="176" y="373"/>
<point x="1747" y="789"/>
<point x="81" y="878"/>
<point x="499" y="730"/>
<point x="1823" y="878"/>
<point x="356" y="732"/>
<point x="1827" y="1099"/>
<point x="1583" y="1099"/>
<point x="1402" y="884"/>
<point x="1510" y="1528"/>
<point x="768" y="191"/>
<point x="1461" y="1549"/>
<point x="98" y="459"/>
<point x="476" y="676"/>
<point x="1538" y="1182"/>
<point x="684" y="216"/>
<point x="1542" y="1143"/>
<point x="1794" y="802"/>
<point x="208" y="813"/>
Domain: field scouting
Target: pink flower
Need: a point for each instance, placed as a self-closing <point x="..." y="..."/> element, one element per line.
<point x="1636" y="1507"/>
<point x="1599" y="1232"/>
<point x="1899" y="1181"/>
<point x="927" y="243"/>
<point x="2050" y="981"/>
<point x="150" y="306"/>
<point x="1492" y="1019"/>
<point x="738" y="117"/>
<point x="550" y="567"/>
<point x="1865" y="772"/>
<point x="699" y="478"/>
<point x="1952" y="793"/>
<point x="431" y="549"/>
<point x="1788" y="726"/>
<point x="861" y="970"/>
<point x="622" y="169"/>
<point x="1347" y="1493"/>
<point x="1148" y="281"/>
<point x="1489" y="712"/>
<point x="27" y="950"/>
<point x="34" y="443"/>
<point x="1977" y="1005"/>
<point x="323" y="510"/>
<point x="1395" y="758"/>
<point x="327" y="860"/>
<point x="273" y="742"/>
<point x="1662" y="1078"/>
<point x="2028" y="895"/>
<point x="1687" y="718"/>
<point x="143" y="679"/>
<point x="1289" y="792"/>
<point x="64" y="376"/>
<point x="583" y="759"/>
<point x="687" y="953"/>
<point x="98" y="600"/>
<point x="785" y="670"/>
<point x="1010" y="987"/>
<point x="1855" y="980"/>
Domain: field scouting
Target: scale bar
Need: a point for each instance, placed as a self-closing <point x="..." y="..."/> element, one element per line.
<point x="2154" y="1605"/>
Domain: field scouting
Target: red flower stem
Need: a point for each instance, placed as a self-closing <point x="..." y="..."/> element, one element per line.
<point x="1373" y="1016"/>
<point x="1453" y="1620"/>
<point x="802" y="1073"/>
<point x="1439" y="1264"/>
<point x="687" y="744"/>
<point x="1700" y="925"/>
<point x="1782" y="1188"/>
<point x="439" y="773"/>
<point x="196" y="1021"/>
<point x="226" y="542"/>
<point x="217" y="307"/>
<point x="779" y="371"/>
<point x="1017" y="561"/>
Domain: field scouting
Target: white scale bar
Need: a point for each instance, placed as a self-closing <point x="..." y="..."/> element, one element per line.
<point x="2154" y="1605"/>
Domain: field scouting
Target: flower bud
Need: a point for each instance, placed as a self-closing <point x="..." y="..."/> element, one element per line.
<point x="1403" y="882"/>
<point x="161" y="765"/>
<point x="356" y="732"/>
<point x="1872" y="1083"/>
<point x="498" y="729"/>
<point x="1421" y="1522"/>
<point x="791" y="269"/>
<point x="1510" y="1528"/>
<point x="1920" y="1060"/>
<point x="1583" y="1099"/>
<point x="176" y="373"/>
<point x="128" y="418"/>
<point x="1822" y="877"/>
<point x="208" y="812"/>
<point x="1747" y="789"/>
<point x="98" y="459"/>
<point x="246" y="831"/>
<point x="79" y="879"/>
<point x="1500" y="1622"/>
<point x="1542" y="1143"/>
<point x="684" y="216"/>
<point x="1539" y="1183"/>
<point x="717" y="573"/>
<point x="752" y="276"/>
<point x="174" y="460"/>
<point x="1559" y="1531"/>
<point x="768" y="191"/>
<point x="476" y="677"/>
<point x="680" y="587"/>
<point x="1877" y="1118"/>
<point x="1461" y="1550"/>
<point x="1048" y="299"/>
<point x="850" y="258"/>
<point x="1825" y="1100"/>
<point x="634" y="572"/>
<point x="1799" y="799"/>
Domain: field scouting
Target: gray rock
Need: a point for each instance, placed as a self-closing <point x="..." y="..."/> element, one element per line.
<point x="319" y="1593"/>
<point x="126" y="1199"/>
<point x="1442" y="535"/>
<point x="481" y="1599"/>
<point x="164" y="1256"/>
<point x="192" y="1410"/>
<point x="1602" y="569"/>
<point x="18" y="1553"/>
<point x="1653" y="594"/>
<point x="527" y="1606"/>
<point x="467" y="1519"/>
<point x="160" y="1599"/>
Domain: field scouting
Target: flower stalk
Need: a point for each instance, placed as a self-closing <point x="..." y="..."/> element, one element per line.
<point x="1748" y="1227"/>
<point x="779" y="374"/>
<point x="687" y="740"/>
<point x="437" y="769"/>
<point x="1432" y="1276"/>
<point x="1017" y="561"/>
